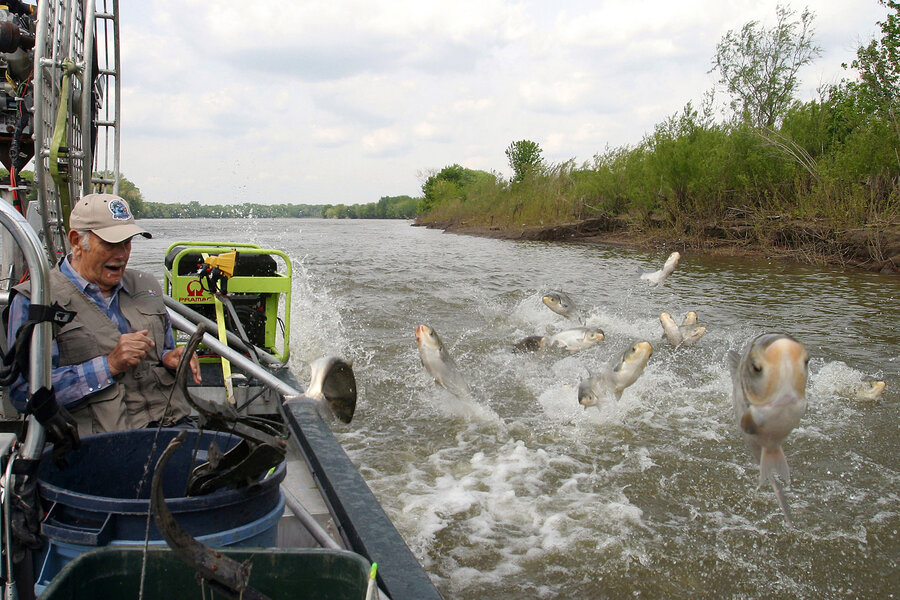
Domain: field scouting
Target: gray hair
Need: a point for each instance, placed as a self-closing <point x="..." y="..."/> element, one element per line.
<point x="84" y="240"/>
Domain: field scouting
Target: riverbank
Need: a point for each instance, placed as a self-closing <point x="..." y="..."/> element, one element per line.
<point x="872" y="249"/>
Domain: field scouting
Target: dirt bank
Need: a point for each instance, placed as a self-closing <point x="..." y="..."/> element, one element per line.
<point x="873" y="249"/>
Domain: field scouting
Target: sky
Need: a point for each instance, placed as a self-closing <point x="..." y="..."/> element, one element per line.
<point x="335" y="101"/>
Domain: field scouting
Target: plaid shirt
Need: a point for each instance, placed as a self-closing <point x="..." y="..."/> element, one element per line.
<point x="73" y="382"/>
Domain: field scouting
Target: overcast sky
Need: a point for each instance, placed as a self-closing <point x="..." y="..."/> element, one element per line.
<point x="327" y="102"/>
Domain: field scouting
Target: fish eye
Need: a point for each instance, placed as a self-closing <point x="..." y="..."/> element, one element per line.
<point x="756" y="367"/>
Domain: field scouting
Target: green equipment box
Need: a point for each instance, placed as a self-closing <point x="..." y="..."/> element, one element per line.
<point x="259" y="289"/>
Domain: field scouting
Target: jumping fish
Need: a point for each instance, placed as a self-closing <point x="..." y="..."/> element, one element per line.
<point x="561" y="304"/>
<point x="769" y="399"/>
<point x="575" y="339"/>
<point x="658" y="277"/>
<point x="868" y="389"/>
<point x="439" y="364"/>
<point x="686" y="334"/>
<point x="618" y="374"/>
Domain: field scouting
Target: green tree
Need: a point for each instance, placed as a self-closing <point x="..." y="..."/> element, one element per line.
<point x="449" y="182"/>
<point x="759" y="66"/>
<point x="132" y="195"/>
<point x="129" y="191"/>
<point x="524" y="157"/>
<point x="878" y="64"/>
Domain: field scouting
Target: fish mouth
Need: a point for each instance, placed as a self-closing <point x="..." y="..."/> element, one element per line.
<point x="786" y="400"/>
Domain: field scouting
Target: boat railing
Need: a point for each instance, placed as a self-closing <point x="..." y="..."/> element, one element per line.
<point x="40" y="360"/>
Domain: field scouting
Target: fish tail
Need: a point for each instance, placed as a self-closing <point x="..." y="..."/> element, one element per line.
<point x="779" y="495"/>
<point x="773" y="462"/>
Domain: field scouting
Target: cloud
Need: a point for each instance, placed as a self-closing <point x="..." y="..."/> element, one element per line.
<point x="346" y="101"/>
<point x="330" y="136"/>
<point x="386" y="141"/>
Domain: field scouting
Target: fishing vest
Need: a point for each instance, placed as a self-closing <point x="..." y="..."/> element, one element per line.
<point x="138" y="396"/>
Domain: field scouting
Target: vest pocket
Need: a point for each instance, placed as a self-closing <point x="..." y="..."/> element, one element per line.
<point x="102" y="411"/>
<point x="153" y="319"/>
<point x="77" y="344"/>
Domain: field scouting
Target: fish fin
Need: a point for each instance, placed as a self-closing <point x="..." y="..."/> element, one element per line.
<point x="734" y="359"/>
<point x="779" y="495"/>
<point x="771" y="463"/>
<point x="748" y="425"/>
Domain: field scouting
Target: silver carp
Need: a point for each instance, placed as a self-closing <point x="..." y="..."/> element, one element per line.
<point x="769" y="397"/>
<point x="439" y="364"/>
<point x="686" y="334"/>
<point x="867" y="390"/>
<point x="658" y="277"/>
<point x="575" y="339"/>
<point x="561" y="304"/>
<point x="618" y="374"/>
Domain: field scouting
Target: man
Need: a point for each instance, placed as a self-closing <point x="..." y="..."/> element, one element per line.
<point x="113" y="364"/>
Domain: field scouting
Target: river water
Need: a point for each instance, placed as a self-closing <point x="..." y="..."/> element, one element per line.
<point x="524" y="494"/>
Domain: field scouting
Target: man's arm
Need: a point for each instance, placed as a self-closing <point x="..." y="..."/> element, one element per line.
<point x="72" y="383"/>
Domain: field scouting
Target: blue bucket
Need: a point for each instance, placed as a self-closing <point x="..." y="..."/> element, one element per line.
<point x="102" y="497"/>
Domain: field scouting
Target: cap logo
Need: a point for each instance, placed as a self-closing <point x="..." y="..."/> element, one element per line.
<point x="119" y="210"/>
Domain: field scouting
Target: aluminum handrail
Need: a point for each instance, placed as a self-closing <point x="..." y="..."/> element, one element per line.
<point x="39" y="270"/>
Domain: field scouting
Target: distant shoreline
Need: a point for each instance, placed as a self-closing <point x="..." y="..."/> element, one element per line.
<point x="875" y="250"/>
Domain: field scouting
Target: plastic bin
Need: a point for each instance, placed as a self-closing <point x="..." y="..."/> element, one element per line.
<point x="102" y="497"/>
<point x="114" y="572"/>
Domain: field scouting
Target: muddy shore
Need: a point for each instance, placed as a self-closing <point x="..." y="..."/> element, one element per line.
<point x="872" y="249"/>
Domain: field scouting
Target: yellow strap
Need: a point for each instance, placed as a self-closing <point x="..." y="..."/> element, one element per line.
<point x="226" y="364"/>
<point x="58" y="142"/>
<point x="223" y="337"/>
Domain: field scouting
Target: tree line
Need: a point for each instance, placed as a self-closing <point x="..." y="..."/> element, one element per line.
<point x="388" y="207"/>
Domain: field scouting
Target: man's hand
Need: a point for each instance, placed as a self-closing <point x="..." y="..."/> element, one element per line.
<point x="173" y="357"/>
<point x="131" y="349"/>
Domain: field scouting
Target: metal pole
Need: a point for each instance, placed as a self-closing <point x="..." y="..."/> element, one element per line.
<point x="237" y="359"/>
<point x="41" y="339"/>
<point x="87" y="93"/>
<point x="312" y="526"/>
<point x="11" y="591"/>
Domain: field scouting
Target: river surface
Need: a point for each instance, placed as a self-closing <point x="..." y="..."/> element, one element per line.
<point x="524" y="494"/>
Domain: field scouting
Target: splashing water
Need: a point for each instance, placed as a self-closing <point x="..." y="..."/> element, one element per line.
<point x="651" y="496"/>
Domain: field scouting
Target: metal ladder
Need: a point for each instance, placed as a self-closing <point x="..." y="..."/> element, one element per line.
<point x="76" y="59"/>
<point x="105" y="163"/>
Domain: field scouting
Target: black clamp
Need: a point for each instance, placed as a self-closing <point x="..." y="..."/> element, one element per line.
<point x="53" y="313"/>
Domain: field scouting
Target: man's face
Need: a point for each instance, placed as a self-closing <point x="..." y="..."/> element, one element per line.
<point x="104" y="263"/>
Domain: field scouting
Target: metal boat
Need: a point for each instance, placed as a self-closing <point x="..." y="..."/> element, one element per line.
<point x="229" y="301"/>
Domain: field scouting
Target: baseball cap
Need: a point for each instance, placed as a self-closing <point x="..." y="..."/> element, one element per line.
<point x="107" y="215"/>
